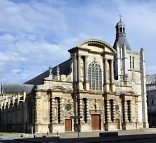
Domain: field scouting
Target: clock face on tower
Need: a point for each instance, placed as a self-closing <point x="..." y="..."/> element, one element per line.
<point x="68" y="107"/>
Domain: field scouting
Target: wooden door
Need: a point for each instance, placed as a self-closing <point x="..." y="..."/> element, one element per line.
<point x="96" y="122"/>
<point x="68" y="125"/>
<point x="118" y="123"/>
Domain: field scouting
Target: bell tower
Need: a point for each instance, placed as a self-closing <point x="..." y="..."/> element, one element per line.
<point x="121" y="45"/>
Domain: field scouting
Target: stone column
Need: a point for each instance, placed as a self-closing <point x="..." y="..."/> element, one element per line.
<point x="112" y="72"/>
<point x="79" y="81"/>
<point x="105" y="70"/>
<point x="86" y="73"/>
<point x="108" y="110"/>
<point x="52" y="104"/>
<point x="78" y="68"/>
<point x="106" y="75"/>
<point x="130" y="114"/>
<point x="61" y="111"/>
<point x="81" y="109"/>
<point x="125" y="111"/>
<point x="74" y="68"/>
<point x="136" y="112"/>
<point x="88" y="116"/>
<point x="112" y="77"/>
<point x="114" y="117"/>
<point x="86" y="68"/>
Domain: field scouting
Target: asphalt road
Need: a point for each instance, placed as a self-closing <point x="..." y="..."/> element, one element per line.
<point x="150" y="138"/>
<point x="133" y="136"/>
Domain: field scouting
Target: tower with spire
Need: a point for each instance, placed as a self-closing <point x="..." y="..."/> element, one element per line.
<point x="129" y="71"/>
<point x="122" y="46"/>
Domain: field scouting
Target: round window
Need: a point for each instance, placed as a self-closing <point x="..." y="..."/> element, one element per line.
<point x="68" y="107"/>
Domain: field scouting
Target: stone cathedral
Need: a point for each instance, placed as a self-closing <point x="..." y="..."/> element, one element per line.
<point x="99" y="88"/>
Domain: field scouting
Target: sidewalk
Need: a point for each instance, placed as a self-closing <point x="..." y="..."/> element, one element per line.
<point x="96" y="133"/>
<point x="70" y="135"/>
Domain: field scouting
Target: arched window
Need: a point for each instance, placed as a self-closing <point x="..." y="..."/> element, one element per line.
<point x="120" y="29"/>
<point x="95" y="76"/>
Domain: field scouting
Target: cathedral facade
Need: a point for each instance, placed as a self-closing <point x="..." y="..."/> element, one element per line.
<point x="99" y="88"/>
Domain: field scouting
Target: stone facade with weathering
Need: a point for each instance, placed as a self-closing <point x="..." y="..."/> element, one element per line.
<point x="101" y="87"/>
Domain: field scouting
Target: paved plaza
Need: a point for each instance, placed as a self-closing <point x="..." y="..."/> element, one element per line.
<point x="135" y="136"/>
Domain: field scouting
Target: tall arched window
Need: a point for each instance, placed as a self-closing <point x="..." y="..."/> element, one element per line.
<point x="95" y="76"/>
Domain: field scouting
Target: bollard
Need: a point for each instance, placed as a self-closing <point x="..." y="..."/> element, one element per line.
<point x="34" y="136"/>
<point x="57" y="133"/>
<point x="21" y="135"/>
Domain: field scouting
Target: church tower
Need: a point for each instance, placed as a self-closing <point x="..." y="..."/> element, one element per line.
<point x="129" y="71"/>
<point x="121" y="45"/>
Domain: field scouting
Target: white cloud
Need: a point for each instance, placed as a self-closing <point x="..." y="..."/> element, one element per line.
<point x="30" y="18"/>
<point x="37" y="34"/>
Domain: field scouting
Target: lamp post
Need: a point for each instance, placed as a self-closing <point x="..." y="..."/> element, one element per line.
<point x="77" y="125"/>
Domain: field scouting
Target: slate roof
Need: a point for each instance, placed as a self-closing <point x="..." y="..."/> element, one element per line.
<point x="16" y="88"/>
<point x="121" y="36"/>
<point x="121" y="40"/>
<point x="65" y="68"/>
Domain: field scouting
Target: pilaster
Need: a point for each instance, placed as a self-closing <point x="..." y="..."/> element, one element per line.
<point x="143" y="90"/>
<point x="79" y="81"/>
<point x="112" y="77"/>
<point x="106" y="81"/>
<point x="37" y="112"/>
<point x="74" y="71"/>
<point x="86" y="73"/>
<point x="79" y="68"/>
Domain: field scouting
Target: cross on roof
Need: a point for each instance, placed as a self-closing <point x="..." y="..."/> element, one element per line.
<point x="120" y="16"/>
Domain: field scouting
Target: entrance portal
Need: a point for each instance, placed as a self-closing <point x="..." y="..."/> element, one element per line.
<point x="118" y="123"/>
<point x="68" y="125"/>
<point x="96" y="122"/>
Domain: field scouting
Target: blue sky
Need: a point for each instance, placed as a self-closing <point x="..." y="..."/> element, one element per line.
<point x="35" y="34"/>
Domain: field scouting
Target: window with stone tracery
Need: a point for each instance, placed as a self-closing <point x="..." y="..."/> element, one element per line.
<point x="95" y="76"/>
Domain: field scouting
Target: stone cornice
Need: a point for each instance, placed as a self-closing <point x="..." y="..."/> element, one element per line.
<point x="76" y="49"/>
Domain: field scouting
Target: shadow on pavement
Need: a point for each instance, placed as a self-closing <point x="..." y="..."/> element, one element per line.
<point x="150" y="138"/>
